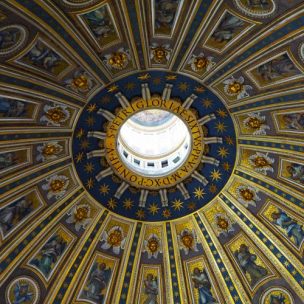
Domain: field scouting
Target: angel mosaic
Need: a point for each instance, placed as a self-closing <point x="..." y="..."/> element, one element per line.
<point x="248" y="264"/>
<point x="236" y="87"/>
<point x="55" y="115"/>
<point x="48" y="257"/>
<point x="261" y="163"/>
<point x="80" y="216"/>
<point x="43" y="58"/>
<point x="56" y="186"/>
<point x="188" y="240"/>
<point x="256" y="124"/>
<point x="160" y="53"/>
<point x="153" y="246"/>
<point x="247" y="195"/>
<point x="113" y="239"/>
<point x="292" y="228"/>
<point x="118" y="60"/>
<point x="200" y="62"/>
<point x="101" y="24"/>
<point x="202" y="283"/>
<point x="12" y="108"/>
<point x="97" y="282"/>
<point x="151" y="289"/>
<point x="165" y="15"/>
<point x="80" y="82"/>
<point x="277" y="69"/>
<point x="49" y="151"/>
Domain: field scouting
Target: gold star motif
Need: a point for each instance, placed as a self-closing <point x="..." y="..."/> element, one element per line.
<point x="153" y="208"/>
<point x="166" y="213"/>
<point x="177" y="204"/>
<point x="216" y="175"/>
<point x="80" y="133"/>
<point x="130" y="86"/>
<point x="199" y="193"/>
<point x="89" y="167"/>
<point x="112" y="204"/>
<point x="220" y="127"/>
<point x="222" y="152"/>
<point x="226" y="166"/>
<point x="199" y="89"/>
<point x="144" y="76"/>
<point x="113" y="88"/>
<point x="157" y="80"/>
<point x="171" y="77"/>
<point x="84" y="144"/>
<point x="92" y="108"/>
<point x="183" y="86"/>
<point x="90" y="183"/>
<point x="140" y="214"/>
<point x="221" y="113"/>
<point x="207" y="103"/>
<point x="106" y="99"/>
<point x="192" y="206"/>
<point x="128" y="204"/>
<point x="79" y="157"/>
<point x="104" y="189"/>
<point x="90" y="121"/>
<point x="229" y="140"/>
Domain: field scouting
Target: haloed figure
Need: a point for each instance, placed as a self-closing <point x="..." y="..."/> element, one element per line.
<point x="202" y="284"/>
<point x="291" y="227"/>
<point x="151" y="289"/>
<point x="248" y="263"/>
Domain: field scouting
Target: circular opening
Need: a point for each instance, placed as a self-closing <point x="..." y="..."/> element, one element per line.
<point x="154" y="142"/>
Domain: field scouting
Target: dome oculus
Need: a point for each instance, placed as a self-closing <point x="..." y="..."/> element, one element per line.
<point x="154" y="142"/>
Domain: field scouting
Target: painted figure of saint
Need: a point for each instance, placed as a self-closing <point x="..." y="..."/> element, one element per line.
<point x="12" y="108"/>
<point x="227" y="28"/>
<point x="50" y="254"/>
<point x="44" y="58"/>
<point x="294" y="121"/>
<point x="151" y="289"/>
<point x="202" y="284"/>
<point x="293" y="230"/>
<point x="100" y="22"/>
<point x="22" y="293"/>
<point x="277" y="68"/>
<point x="296" y="172"/>
<point x="13" y="214"/>
<point x="97" y="282"/>
<point x="165" y="11"/>
<point x="7" y="160"/>
<point x="247" y="262"/>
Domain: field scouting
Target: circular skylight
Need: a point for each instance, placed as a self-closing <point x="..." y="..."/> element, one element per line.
<point x="154" y="142"/>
